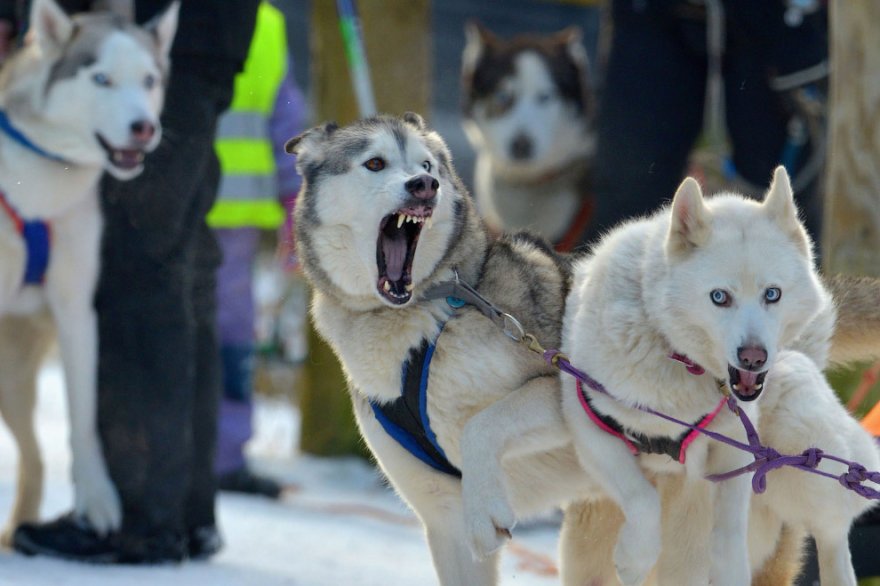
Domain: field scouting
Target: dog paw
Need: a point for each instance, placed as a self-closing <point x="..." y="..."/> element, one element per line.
<point x="489" y="525"/>
<point x="98" y="501"/>
<point x="637" y="550"/>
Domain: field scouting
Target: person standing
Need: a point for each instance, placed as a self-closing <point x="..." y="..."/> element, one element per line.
<point x="158" y="365"/>
<point x="258" y="188"/>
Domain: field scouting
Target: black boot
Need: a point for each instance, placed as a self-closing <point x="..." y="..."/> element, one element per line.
<point x="72" y="538"/>
<point x="245" y="481"/>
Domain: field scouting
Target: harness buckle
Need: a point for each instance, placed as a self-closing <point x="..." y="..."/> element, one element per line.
<point x="533" y="344"/>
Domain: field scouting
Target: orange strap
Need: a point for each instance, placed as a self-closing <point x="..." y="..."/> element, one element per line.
<point x="871" y="421"/>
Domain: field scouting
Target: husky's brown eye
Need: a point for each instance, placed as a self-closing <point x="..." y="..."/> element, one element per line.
<point x="375" y="164"/>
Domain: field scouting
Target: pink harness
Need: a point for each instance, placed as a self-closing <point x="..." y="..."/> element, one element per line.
<point x="612" y="427"/>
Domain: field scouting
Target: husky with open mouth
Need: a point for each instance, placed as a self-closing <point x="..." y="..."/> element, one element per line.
<point x="82" y="96"/>
<point x="667" y="312"/>
<point x="466" y="423"/>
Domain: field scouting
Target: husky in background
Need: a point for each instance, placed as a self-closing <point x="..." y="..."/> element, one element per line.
<point x="81" y="97"/>
<point x="384" y="226"/>
<point x="729" y="283"/>
<point x="528" y="112"/>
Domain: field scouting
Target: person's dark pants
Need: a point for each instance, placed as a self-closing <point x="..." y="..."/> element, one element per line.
<point x="159" y="364"/>
<point x="651" y="113"/>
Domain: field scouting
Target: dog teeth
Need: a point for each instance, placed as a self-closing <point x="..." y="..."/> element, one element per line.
<point x="387" y="286"/>
<point x="410" y="287"/>
<point x="406" y="218"/>
<point x="736" y="387"/>
<point x="759" y="387"/>
<point x="429" y="222"/>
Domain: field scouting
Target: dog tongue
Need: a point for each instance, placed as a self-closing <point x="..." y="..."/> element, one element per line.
<point x="747" y="382"/>
<point x="395" y="255"/>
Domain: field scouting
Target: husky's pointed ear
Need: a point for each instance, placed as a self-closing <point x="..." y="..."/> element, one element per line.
<point x="780" y="207"/>
<point x="690" y="223"/>
<point x="571" y="38"/>
<point x="477" y="38"/>
<point x="50" y="25"/>
<point x="295" y="145"/>
<point x="163" y="27"/>
<point x="415" y="120"/>
<point x="122" y="8"/>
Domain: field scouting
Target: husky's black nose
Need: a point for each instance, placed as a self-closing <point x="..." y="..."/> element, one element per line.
<point x="751" y="357"/>
<point x="422" y="186"/>
<point x="521" y="148"/>
<point x="142" y="130"/>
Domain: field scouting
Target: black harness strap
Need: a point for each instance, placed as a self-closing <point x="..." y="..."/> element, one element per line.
<point x="406" y="419"/>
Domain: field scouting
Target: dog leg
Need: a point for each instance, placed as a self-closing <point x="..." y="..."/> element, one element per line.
<point x="784" y="564"/>
<point x="95" y="495"/>
<point x="730" y="556"/>
<point x="23" y="342"/>
<point x="618" y="472"/>
<point x="586" y="543"/>
<point x="530" y="418"/>
<point x="687" y="524"/>
<point x="835" y="563"/>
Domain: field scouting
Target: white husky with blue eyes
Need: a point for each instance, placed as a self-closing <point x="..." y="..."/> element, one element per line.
<point x="82" y="96"/>
<point x="729" y="283"/>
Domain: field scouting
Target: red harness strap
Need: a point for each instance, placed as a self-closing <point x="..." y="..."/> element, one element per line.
<point x="572" y="236"/>
<point x="650" y="445"/>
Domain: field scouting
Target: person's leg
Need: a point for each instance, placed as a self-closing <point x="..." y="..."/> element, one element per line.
<point x="236" y="317"/>
<point x="149" y="324"/>
<point x="235" y="322"/>
<point x="758" y="120"/>
<point x="650" y="113"/>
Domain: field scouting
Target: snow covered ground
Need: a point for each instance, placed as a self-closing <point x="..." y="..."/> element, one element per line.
<point x="337" y="525"/>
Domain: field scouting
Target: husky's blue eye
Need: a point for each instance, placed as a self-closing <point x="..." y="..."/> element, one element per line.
<point x="772" y="294"/>
<point x="543" y="97"/>
<point x="720" y="297"/>
<point x="427" y="166"/>
<point x="102" y="80"/>
<point x="150" y="82"/>
<point x="375" y="164"/>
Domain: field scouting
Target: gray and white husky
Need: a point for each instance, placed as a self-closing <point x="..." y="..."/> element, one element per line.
<point x="386" y="234"/>
<point x="528" y="113"/>
<point x="82" y="96"/>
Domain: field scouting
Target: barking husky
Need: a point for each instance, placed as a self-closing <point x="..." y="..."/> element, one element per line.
<point x="728" y="283"/>
<point x="82" y="96"/>
<point x="466" y="424"/>
<point x="528" y="114"/>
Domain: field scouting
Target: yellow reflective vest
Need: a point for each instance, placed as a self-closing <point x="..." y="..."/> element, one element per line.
<point x="248" y="193"/>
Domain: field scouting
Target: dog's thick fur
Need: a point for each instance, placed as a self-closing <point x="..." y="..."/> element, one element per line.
<point x="88" y="89"/>
<point x="494" y="406"/>
<point x="645" y="292"/>
<point x="528" y="113"/>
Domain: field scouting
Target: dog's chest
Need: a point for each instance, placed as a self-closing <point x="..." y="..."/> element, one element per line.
<point x="26" y="301"/>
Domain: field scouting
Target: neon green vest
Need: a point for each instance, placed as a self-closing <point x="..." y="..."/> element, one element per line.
<point x="248" y="194"/>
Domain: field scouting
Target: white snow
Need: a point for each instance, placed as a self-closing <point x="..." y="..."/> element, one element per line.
<point x="338" y="524"/>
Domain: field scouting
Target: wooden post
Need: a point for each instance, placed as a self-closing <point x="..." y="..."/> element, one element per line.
<point x="851" y="233"/>
<point x="851" y="236"/>
<point x="397" y="36"/>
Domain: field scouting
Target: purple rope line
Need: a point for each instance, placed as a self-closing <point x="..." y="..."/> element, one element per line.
<point x="766" y="458"/>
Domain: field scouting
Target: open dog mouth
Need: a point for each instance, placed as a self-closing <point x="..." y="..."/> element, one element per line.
<point x="126" y="159"/>
<point x="746" y="384"/>
<point x="396" y="247"/>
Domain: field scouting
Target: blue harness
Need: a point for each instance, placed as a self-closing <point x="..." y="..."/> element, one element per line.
<point x="406" y="418"/>
<point x="37" y="234"/>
